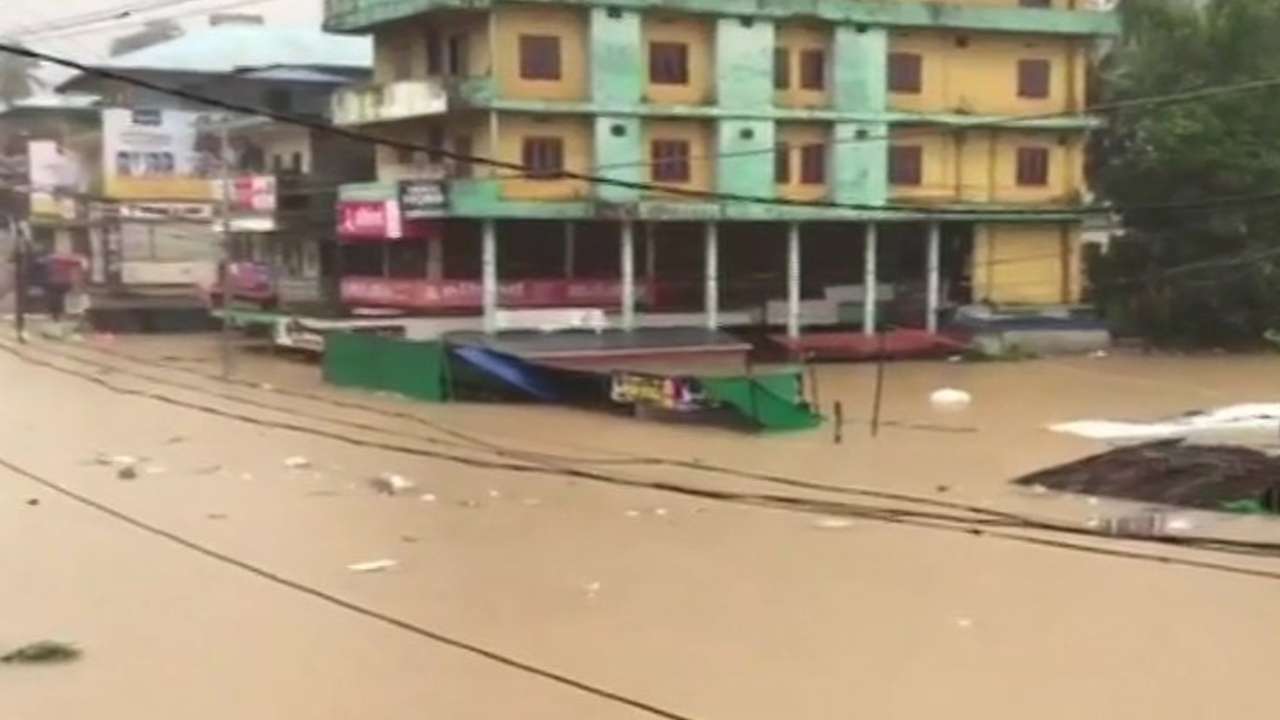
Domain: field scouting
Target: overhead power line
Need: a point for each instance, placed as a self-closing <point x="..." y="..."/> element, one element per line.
<point x="677" y="191"/>
<point x="122" y="23"/>
<point x="118" y="12"/>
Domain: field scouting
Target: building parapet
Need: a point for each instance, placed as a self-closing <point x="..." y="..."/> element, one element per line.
<point x="361" y="15"/>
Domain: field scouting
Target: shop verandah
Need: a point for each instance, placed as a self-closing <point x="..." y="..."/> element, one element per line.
<point x="785" y="276"/>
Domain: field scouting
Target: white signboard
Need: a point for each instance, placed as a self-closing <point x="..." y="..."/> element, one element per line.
<point x="141" y="143"/>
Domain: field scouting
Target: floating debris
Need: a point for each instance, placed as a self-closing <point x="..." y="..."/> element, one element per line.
<point x="408" y="539"/>
<point x="964" y="623"/>
<point x="210" y="470"/>
<point x="531" y="502"/>
<point x="632" y="513"/>
<point x="175" y="440"/>
<point x="372" y="566"/>
<point x="427" y="497"/>
<point x="592" y="589"/>
<point x="661" y="512"/>
<point x="33" y="502"/>
<point x="495" y="494"/>
<point x="45" y="651"/>
<point x="950" y="400"/>
<point x="216" y="516"/>
<point x="832" y="523"/>
<point x="391" y="484"/>
<point x="155" y="470"/>
<point x="117" y="460"/>
<point x="266" y="386"/>
<point x="127" y="473"/>
<point x="297" y="462"/>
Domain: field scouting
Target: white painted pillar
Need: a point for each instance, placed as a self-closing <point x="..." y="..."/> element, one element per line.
<point x="711" y="286"/>
<point x="570" y="248"/>
<point x="489" y="275"/>
<point x="627" y="248"/>
<point x="870" y="287"/>
<point x="793" y="280"/>
<point x="933" y="278"/>
<point x="435" y="259"/>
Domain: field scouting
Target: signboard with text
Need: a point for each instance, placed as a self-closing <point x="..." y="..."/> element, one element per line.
<point x="421" y="199"/>
<point x="469" y="294"/>
<point x="362" y="220"/>
<point x="159" y="155"/>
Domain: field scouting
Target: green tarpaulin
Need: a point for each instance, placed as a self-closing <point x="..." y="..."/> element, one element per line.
<point x="772" y="402"/>
<point x="413" y="369"/>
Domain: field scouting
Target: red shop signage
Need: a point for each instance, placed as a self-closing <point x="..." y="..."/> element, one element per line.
<point x="363" y="221"/>
<point x="468" y="294"/>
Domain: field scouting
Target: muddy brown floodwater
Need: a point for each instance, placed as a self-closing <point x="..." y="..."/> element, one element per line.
<point x="708" y="603"/>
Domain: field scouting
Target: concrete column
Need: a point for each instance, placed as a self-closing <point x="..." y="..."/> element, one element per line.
<point x="435" y="259"/>
<point x="933" y="280"/>
<point x="386" y="258"/>
<point x="570" y="248"/>
<point x="711" y="286"/>
<point x="627" y="247"/>
<point x="870" y="281"/>
<point x="793" y="280"/>
<point x="650" y="253"/>
<point x="489" y="275"/>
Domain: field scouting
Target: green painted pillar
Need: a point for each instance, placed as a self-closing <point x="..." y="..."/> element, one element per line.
<point x="861" y="149"/>
<point x="744" y="62"/>
<point x="744" y="160"/>
<point x="861" y="68"/>
<point x="618" y="74"/>
<point x="620" y="154"/>
<point x="618" y="67"/>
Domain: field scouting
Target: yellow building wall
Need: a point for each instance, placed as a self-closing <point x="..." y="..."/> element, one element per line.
<point x="568" y="24"/>
<point x="410" y="36"/>
<point x="982" y="78"/>
<point x="982" y="166"/>
<point x="797" y="38"/>
<point x="797" y="135"/>
<point x="699" y="35"/>
<point x="1027" y="264"/>
<point x="699" y="135"/>
<point x="576" y="134"/>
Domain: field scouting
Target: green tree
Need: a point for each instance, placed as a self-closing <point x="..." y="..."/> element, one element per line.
<point x="18" y="77"/>
<point x="1185" y="153"/>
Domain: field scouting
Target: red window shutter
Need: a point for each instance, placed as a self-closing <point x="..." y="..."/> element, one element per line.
<point x="813" y="164"/>
<point x="1033" y="79"/>
<point x="1033" y="166"/>
<point x="813" y="70"/>
<point x="905" y="73"/>
<point x="906" y="165"/>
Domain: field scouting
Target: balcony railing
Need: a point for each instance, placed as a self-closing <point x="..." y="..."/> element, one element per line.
<point x="383" y="102"/>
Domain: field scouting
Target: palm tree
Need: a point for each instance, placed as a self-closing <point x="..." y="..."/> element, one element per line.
<point x="18" y="78"/>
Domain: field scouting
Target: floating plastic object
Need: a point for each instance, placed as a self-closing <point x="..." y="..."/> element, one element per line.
<point x="391" y="484"/>
<point x="297" y="462"/>
<point x="372" y="566"/>
<point x="950" y="400"/>
<point x="832" y="523"/>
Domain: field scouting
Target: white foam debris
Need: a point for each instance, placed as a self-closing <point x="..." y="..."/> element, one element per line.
<point x="1248" y="423"/>
<point x="372" y="566"/>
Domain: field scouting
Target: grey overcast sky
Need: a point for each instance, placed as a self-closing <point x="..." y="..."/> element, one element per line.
<point x="90" y="42"/>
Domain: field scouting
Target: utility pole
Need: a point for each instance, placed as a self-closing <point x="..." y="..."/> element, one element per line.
<point x="19" y="280"/>
<point x="224" y="267"/>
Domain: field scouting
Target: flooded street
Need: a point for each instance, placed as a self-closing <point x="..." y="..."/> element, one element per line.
<point x="553" y="563"/>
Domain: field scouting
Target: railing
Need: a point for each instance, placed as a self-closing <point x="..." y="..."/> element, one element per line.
<point x="381" y="102"/>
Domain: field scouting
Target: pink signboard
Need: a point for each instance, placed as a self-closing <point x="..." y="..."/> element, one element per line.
<point x="468" y="294"/>
<point x="372" y="221"/>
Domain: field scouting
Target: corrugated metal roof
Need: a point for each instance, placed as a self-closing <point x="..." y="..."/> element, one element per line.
<point x="300" y="75"/>
<point x="52" y="102"/>
<point x="226" y="48"/>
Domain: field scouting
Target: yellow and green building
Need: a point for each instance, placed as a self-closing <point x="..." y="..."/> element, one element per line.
<point x="795" y="151"/>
